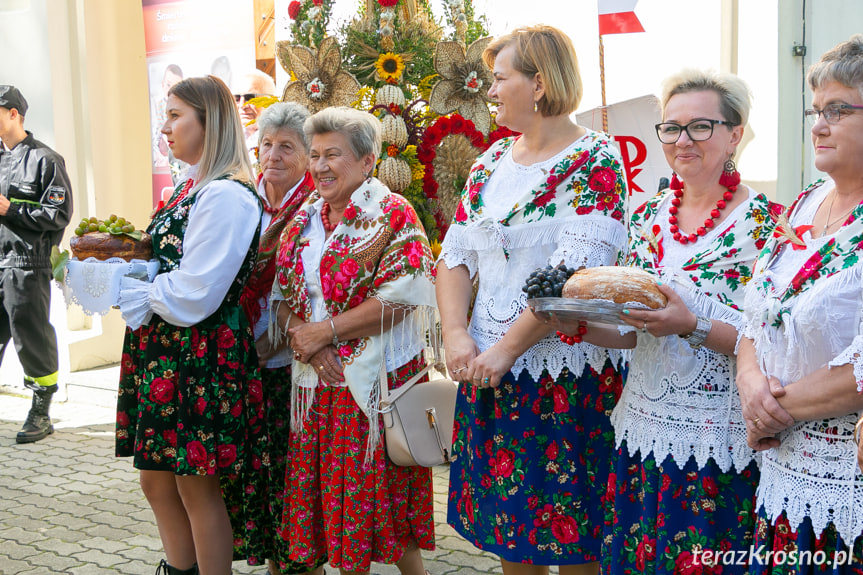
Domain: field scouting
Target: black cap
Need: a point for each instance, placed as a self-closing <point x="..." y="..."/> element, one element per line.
<point x="10" y="97"/>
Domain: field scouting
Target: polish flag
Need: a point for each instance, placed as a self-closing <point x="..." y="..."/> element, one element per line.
<point x="618" y="17"/>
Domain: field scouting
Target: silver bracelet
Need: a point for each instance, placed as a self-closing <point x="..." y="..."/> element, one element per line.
<point x="698" y="336"/>
<point x="335" y="335"/>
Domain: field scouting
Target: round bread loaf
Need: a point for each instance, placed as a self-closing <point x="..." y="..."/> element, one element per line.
<point x="102" y="246"/>
<point x="617" y="284"/>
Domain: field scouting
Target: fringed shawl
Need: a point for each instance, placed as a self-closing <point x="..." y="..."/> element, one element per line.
<point x="379" y="249"/>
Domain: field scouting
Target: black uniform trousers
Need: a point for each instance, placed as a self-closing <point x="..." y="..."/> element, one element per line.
<point x="24" y="318"/>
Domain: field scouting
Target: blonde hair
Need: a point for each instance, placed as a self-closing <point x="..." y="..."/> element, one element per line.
<point x="735" y="99"/>
<point x="843" y="63"/>
<point x="224" y="153"/>
<point x="546" y="51"/>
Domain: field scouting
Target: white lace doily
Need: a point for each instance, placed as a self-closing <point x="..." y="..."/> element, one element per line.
<point x="95" y="285"/>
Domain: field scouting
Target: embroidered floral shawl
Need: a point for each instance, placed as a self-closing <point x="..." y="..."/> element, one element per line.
<point x="840" y="252"/>
<point x="379" y="249"/>
<point x="724" y="265"/>
<point x="560" y="195"/>
<point x="261" y="281"/>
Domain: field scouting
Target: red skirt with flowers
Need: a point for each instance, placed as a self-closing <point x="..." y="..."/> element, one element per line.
<point x="182" y="396"/>
<point x="532" y="459"/>
<point x="339" y="507"/>
<point x="661" y="519"/>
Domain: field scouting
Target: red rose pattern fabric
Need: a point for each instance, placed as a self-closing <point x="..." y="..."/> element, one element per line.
<point x="255" y="498"/>
<point x="531" y="463"/>
<point x="660" y="519"/>
<point x="338" y="507"/>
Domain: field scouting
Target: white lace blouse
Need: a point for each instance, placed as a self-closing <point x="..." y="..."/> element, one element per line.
<point x="677" y="401"/>
<point x="814" y="472"/>
<point x="579" y="240"/>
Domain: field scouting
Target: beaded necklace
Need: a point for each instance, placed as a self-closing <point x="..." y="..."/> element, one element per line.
<point x="678" y="187"/>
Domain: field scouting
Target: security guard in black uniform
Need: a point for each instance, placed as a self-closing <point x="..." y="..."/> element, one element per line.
<point x="35" y="207"/>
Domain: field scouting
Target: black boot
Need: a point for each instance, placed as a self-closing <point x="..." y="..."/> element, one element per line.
<point x="38" y="425"/>
<point x="164" y="569"/>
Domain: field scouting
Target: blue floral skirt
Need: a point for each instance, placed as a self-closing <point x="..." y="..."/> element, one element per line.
<point x="661" y="519"/>
<point x="800" y="552"/>
<point x="531" y="464"/>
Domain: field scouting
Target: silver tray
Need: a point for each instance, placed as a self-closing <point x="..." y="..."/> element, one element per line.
<point x="592" y="310"/>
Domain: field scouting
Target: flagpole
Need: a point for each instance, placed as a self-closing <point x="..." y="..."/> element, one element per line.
<point x="602" y="85"/>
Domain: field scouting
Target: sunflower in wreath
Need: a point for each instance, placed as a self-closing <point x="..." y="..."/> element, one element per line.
<point x="320" y="82"/>
<point x="465" y="83"/>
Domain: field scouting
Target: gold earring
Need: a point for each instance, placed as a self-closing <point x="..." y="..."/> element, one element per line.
<point x="535" y="107"/>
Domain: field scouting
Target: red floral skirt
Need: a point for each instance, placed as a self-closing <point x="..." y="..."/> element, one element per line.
<point x="336" y="505"/>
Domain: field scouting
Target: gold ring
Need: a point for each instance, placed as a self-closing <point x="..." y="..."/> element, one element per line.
<point x="460" y="369"/>
<point x="858" y="431"/>
<point x="756" y="420"/>
<point x="320" y="367"/>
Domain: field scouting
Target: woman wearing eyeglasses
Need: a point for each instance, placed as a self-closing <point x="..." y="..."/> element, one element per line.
<point x="683" y="478"/>
<point x="801" y="349"/>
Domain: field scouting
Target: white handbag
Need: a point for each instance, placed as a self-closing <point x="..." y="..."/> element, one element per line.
<point x="418" y="420"/>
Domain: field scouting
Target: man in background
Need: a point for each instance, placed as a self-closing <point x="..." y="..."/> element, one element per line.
<point x="35" y="207"/>
<point x="251" y="85"/>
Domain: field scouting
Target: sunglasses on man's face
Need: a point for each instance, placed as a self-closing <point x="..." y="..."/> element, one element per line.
<point x="244" y="97"/>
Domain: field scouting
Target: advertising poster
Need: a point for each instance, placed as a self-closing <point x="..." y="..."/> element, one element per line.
<point x="191" y="38"/>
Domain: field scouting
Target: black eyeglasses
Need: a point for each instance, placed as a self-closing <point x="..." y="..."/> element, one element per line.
<point x="832" y="112"/>
<point x="697" y="130"/>
<point x="244" y="97"/>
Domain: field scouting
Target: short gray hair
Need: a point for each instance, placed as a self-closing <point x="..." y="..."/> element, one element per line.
<point x="843" y="63"/>
<point x="284" y="115"/>
<point x="362" y="129"/>
<point x="735" y="99"/>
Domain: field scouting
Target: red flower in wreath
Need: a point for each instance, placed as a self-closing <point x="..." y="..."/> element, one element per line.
<point x="294" y="9"/>
<point x="317" y="2"/>
<point x="388" y="3"/>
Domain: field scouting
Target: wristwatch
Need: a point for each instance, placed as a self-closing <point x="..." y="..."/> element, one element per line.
<point x="697" y="337"/>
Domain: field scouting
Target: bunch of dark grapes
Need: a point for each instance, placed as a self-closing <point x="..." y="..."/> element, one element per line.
<point x="547" y="281"/>
<point x="112" y="225"/>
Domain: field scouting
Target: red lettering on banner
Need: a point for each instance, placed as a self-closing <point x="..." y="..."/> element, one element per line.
<point x="630" y="163"/>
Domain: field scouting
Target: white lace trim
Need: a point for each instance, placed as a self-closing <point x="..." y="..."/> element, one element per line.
<point x="829" y="489"/>
<point x="853" y="355"/>
<point x="578" y="241"/>
<point x="681" y="402"/>
<point x="95" y="284"/>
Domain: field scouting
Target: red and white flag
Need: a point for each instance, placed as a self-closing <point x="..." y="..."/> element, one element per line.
<point x="618" y="17"/>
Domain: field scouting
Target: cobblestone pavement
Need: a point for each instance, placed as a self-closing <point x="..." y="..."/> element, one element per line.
<point x="67" y="505"/>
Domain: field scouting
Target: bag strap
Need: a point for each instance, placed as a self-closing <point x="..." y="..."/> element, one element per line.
<point x="387" y="400"/>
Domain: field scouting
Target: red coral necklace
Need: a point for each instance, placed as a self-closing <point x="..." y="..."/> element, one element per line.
<point x="730" y="183"/>
<point x="325" y="217"/>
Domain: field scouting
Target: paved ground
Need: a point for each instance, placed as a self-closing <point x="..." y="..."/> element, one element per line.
<point x="67" y="505"/>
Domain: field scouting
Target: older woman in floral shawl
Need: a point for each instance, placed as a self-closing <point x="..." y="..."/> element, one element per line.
<point x="355" y="272"/>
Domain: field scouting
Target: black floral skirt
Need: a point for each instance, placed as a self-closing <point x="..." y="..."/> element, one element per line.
<point x="183" y="395"/>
